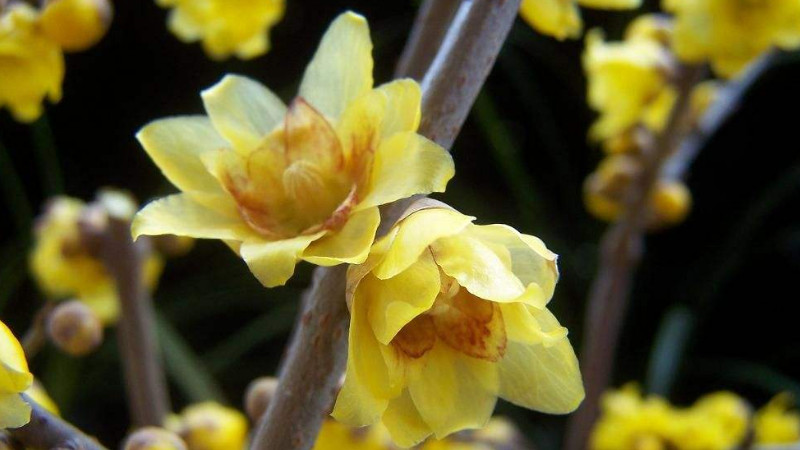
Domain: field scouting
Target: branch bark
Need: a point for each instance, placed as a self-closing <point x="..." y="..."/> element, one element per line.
<point x="620" y="253"/>
<point x="317" y="354"/>
<point x="426" y="37"/>
<point x="109" y="236"/>
<point x="46" y="431"/>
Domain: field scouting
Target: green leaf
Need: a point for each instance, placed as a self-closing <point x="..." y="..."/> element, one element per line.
<point x="668" y="350"/>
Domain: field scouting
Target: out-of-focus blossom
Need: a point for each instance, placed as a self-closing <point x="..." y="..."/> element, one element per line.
<point x="74" y="328"/>
<point x="562" y="18"/>
<point x="446" y="317"/>
<point x="14" y="380"/>
<point x="225" y="27"/>
<point x="730" y="34"/>
<point x="31" y="65"/>
<point x="76" y="25"/>
<point x="209" y="426"/>
<point x="281" y="185"/>
<point x="776" y="423"/>
<point x="64" y="268"/>
<point x="335" y="436"/>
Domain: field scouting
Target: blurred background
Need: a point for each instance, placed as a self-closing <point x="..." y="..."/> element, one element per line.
<point x="713" y="305"/>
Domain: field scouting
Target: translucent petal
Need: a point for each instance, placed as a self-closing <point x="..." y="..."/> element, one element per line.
<point x="175" y="145"/>
<point x="349" y="245"/>
<point x="184" y="215"/>
<point x="243" y="111"/>
<point x="522" y="326"/>
<point x="11" y="353"/>
<point x="354" y="405"/>
<point x="404" y="165"/>
<point x="404" y="423"/>
<point x="341" y="69"/>
<point x="14" y="412"/>
<point x="414" y="234"/>
<point x="273" y="262"/>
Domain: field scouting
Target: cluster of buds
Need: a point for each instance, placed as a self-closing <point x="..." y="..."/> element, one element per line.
<point x="632" y="84"/>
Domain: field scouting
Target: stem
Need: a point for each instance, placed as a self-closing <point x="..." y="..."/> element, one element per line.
<point x="36" y="336"/>
<point x="45" y="149"/>
<point x="621" y="251"/>
<point x="144" y="374"/>
<point x="46" y="431"/>
<point x="316" y="356"/>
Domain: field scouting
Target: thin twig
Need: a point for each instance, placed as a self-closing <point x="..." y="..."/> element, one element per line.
<point x="46" y="431"/>
<point x="36" y="336"/>
<point x="621" y="251"/>
<point x="317" y="354"/>
<point x="141" y="361"/>
<point x="426" y="36"/>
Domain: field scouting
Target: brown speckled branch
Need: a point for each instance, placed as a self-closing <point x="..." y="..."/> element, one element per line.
<point x="46" y="431"/>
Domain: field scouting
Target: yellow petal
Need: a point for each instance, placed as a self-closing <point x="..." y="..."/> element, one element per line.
<point x="522" y="326"/>
<point x="558" y="18"/>
<point x="273" y="262"/>
<point x="394" y="302"/>
<point x="341" y="69"/>
<point x="404" y="423"/>
<point x="545" y="378"/>
<point x="14" y="412"/>
<point x="447" y="394"/>
<point x="356" y="406"/>
<point x="243" y="110"/>
<point x="611" y="4"/>
<point x="175" y="145"/>
<point x="184" y="215"/>
<point x="414" y="234"/>
<point x="404" y="165"/>
<point x="477" y="268"/>
<point x="11" y="353"/>
<point x="349" y="245"/>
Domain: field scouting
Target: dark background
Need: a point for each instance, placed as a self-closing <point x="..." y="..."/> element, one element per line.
<point x="723" y="283"/>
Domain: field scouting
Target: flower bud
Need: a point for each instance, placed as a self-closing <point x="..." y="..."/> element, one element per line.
<point x="74" y="328"/>
<point x="209" y="426"/>
<point x="153" y="438"/>
<point x="259" y="394"/>
<point x="604" y="190"/>
<point x="670" y="203"/>
<point x="76" y="25"/>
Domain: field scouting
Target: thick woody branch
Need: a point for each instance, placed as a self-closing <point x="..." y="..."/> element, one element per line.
<point x="110" y="238"/>
<point x="317" y="354"/>
<point x="426" y="37"/>
<point x="46" y="431"/>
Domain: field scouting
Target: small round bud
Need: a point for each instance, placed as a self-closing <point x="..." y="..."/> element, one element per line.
<point x="74" y="328"/>
<point x="605" y="189"/>
<point x="153" y="438"/>
<point x="76" y="25"/>
<point x="210" y="426"/>
<point x="259" y="394"/>
<point x="670" y="203"/>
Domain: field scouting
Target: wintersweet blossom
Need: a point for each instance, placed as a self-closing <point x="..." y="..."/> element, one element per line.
<point x="14" y="379"/>
<point x="225" y="27"/>
<point x="776" y="423"/>
<point x="446" y="317"/>
<point x="76" y="25"/>
<point x="31" y="65"/>
<point x="209" y="426"/>
<point x="64" y="268"/>
<point x="282" y="184"/>
<point x="730" y="34"/>
<point x="562" y="18"/>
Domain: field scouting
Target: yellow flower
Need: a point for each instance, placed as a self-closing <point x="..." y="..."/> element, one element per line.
<point x="31" y="65"/>
<point x="281" y="185"/>
<point x="605" y="189"/>
<point x="732" y="33"/>
<point x="14" y="379"/>
<point x="445" y="317"/>
<point x="64" y="268"/>
<point x="628" y="82"/>
<point x="775" y="424"/>
<point x="337" y="436"/>
<point x="226" y="27"/>
<point x="209" y="426"/>
<point x="717" y="421"/>
<point x="76" y="25"/>
<point x="562" y="18"/>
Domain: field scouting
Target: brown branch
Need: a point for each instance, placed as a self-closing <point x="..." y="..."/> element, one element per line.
<point x="36" y="337"/>
<point x="620" y="253"/>
<point x="109" y="236"/>
<point x="46" y="431"/>
<point x="426" y="37"/>
<point x="317" y="354"/>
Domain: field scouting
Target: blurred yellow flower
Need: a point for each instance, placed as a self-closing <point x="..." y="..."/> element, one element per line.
<point x="336" y="436"/>
<point x="732" y="33"/>
<point x="31" y="65"/>
<point x="562" y="18"/>
<point x="225" y="27"/>
<point x="775" y="423"/>
<point x="628" y="81"/>
<point x="38" y="394"/>
<point x="281" y="185"/>
<point x="76" y="25"/>
<point x="64" y="268"/>
<point x="446" y="316"/>
<point x="630" y="421"/>
<point x="209" y="426"/>
<point x="14" y="379"/>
